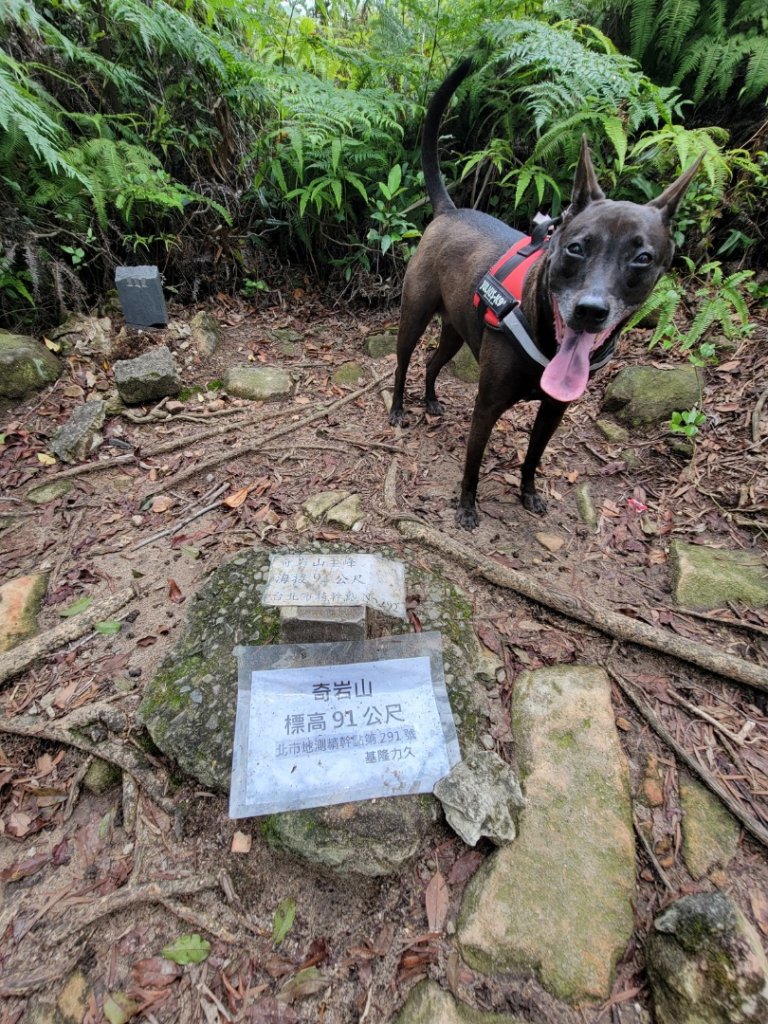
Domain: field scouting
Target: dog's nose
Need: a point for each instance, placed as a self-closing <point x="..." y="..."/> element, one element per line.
<point x="591" y="309"/>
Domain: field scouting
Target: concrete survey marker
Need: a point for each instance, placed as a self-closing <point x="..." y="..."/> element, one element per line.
<point x="140" y="291"/>
<point x="319" y="579"/>
<point x="322" y="724"/>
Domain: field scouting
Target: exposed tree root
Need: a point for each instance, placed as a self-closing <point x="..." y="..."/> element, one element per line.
<point x="25" y="654"/>
<point x="613" y="623"/>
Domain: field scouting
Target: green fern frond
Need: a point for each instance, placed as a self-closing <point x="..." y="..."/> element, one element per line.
<point x="756" y="78"/>
<point x="642" y="24"/>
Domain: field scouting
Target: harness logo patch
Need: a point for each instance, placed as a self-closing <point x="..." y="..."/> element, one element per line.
<point x="495" y="297"/>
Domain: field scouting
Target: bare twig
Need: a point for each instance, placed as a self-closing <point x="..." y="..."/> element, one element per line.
<point x="652" y="856"/>
<point x="756" y="414"/>
<point x="230" y="454"/>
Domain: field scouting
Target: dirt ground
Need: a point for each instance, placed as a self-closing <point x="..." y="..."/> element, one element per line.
<point x="100" y="884"/>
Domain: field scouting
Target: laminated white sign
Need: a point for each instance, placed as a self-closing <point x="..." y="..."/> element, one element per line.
<point x="321" y="724"/>
<point x="336" y="579"/>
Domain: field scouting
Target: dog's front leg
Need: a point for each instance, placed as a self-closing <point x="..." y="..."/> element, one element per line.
<point x="484" y="418"/>
<point x="546" y="423"/>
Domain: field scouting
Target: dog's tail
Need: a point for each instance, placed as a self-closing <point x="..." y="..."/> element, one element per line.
<point x="433" y="179"/>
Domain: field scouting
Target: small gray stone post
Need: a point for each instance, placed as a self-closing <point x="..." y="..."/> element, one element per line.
<point x="140" y="291"/>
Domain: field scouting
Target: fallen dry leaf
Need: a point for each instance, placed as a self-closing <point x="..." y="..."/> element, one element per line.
<point x="437" y="899"/>
<point x="236" y="500"/>
<point x="174" y="592"/>
<point x="161" y="503"/>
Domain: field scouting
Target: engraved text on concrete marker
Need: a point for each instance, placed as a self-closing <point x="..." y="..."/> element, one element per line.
<point x="141" y="296"/>
<point x="336" y="579"/>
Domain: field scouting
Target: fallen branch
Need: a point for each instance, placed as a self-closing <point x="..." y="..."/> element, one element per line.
<point x="750" y="824"/>
<point x="26" y="653"/>
<point x="583" y="610"/>
<point x="230" y="454"/>
<point x="67" y="732"/>
<point x="756" y="414"/>
<point x="645" y="842"/>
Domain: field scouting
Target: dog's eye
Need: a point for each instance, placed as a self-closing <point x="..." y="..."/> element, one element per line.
<point x="575" y="249"/>
<point x="644" y="259"/>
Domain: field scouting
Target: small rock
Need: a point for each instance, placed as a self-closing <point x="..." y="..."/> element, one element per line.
<point x="101" y="776"/>
<point x="88" y="335"/>
<point x="480" y="797"/>
<point x="348" y="375"/>
<point x="206" y="333"/>
<point x="20" y="601"/>
<point x="148" y="377"/>
<point x="707" y="578"/>
<point x="25" y="365"/>
<point x="377" y="346"/>
<point x="46" y="493"/>
<point x="550" y="541"/>
<point x="347" y="514"/>
<point x="427" y="1003"/>
<point x="646" y="395"/>
<point x="257" y="383"/>
<point x="464" y="366"/>
<point x="73" y="999"/>
<point x="710" y="832"/>
<point x="630" y="458"/>
<point x="80" y="436"/>
<point x="316" y="506"/>
<point x="586" y="507"/>
<point x="613" y="432"/>
<point x="706" y="964"/>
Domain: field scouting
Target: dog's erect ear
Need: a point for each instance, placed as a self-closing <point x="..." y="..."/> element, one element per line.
<point x="670" y="198"/>
<point x="585" y="187"/>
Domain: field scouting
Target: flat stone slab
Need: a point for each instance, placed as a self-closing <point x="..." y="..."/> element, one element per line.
<point x="348" y="375"/>
<point x="427" y="1003"/>
<point x="140" y="290"/>
<point x="707" y="578"/>
<point x="49" y="492"/>
<point x="148" y="377"/>
<point x="258" y="383"/>
<point x="706" y="964"/>
<point x="646" y="395"/>
<point x="80" y="435"/>
<point x="189" y="709"/>
<point x="20" y="601"/>
<point x="26" y="365"/>
<point x="710" y="832"/>
<point x="558" y="901"/>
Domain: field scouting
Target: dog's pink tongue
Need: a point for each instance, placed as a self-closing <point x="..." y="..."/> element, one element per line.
<point x="567" y="375"/>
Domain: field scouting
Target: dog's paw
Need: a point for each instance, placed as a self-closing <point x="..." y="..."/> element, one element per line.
<point x="533" y="502"/>
<point x="434" y="408"/>
<point x="467" y="517"/>
<point x="397" y="418"/>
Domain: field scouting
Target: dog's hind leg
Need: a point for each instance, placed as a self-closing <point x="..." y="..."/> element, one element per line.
<point x="546" y="423"/>
<point x="450" y="343"/>
<point x="418" y="308"/>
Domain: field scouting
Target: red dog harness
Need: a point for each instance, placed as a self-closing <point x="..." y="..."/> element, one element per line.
<point x="500" y="293"/>
<point x="501" y="289"/>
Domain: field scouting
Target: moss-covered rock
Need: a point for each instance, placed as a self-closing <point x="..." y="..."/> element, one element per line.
<point x="25" y="365"/>
<point x="205" y="333"/>
<point x="427" y="1003"/>
<point x="348" y="375"/>
<point x="465" y="367"/>
<point x="189" y="710"/>
<point x="259" y="383"/>
<point x="101" y="776"/>
<point x="377" y="346"/>
<point x="706" y="578"/>
<point x="706" y="964"/>
<point x="46" y="493"/>
<point x="645" y="395"/>
<point x="710" y="832"/>
<point x="558" y="901"/>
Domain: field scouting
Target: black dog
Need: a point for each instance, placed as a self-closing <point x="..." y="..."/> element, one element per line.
<point x="581" y="285"/>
